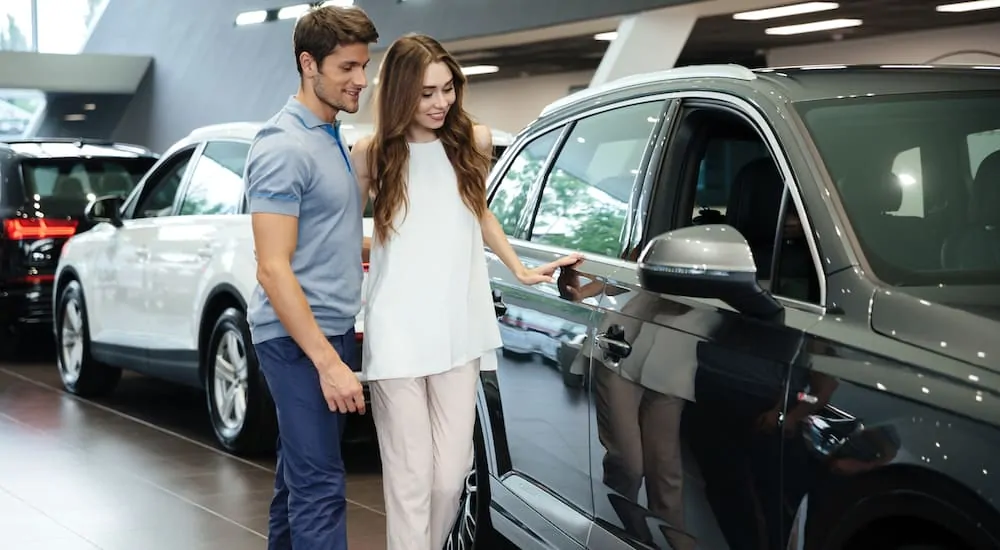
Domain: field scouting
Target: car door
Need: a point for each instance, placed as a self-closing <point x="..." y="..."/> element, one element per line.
<point x="689" y="391"/>
<point x="579" y="201"/>
<point x="127" y="302"/>
<point x="185" y="252"/>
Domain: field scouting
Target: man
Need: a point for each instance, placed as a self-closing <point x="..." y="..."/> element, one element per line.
<point x="306" y="209"/>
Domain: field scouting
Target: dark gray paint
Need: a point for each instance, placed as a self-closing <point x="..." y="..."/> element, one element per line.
<point x="208" y="71"/>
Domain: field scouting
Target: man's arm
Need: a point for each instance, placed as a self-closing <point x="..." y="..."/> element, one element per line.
<point x="359" y="159"/>
<point x="276" y="177"/>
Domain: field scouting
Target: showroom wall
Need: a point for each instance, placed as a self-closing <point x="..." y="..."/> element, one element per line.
<point x="206" y="70"/>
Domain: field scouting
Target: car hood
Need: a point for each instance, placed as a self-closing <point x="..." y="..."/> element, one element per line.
<point x="943" y="320"/>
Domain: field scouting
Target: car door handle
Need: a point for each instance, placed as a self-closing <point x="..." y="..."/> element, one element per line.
<point x="142" y="253"/>
<point x="206" y="251"/>
<point x="499" y="307"/>
<point x="613" y="343"/>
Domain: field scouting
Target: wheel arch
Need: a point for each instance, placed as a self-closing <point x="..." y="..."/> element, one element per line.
<point x="222" y="297"/>
<point x="869" y="504"/>
<point x="65" y="276"/>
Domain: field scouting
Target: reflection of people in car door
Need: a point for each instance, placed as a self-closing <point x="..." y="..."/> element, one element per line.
<point x="639" y="403"/>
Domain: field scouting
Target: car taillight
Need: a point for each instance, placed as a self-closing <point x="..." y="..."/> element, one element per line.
<point x="364" y="266"/>
<point x="20" y="229"/>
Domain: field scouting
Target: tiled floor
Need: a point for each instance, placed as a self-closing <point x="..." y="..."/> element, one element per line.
<point x="138" y="471"/>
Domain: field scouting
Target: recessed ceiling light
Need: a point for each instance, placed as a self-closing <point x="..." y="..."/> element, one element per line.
<point x="293" y="12"/>
<point x="75" y="117"/>
<point x="959" y="7"/>
<point x="479" y="69"/>
<point x="815" y="26"/>
<point x="786" y="11"/>
<point x="338" y="3"/>
<point x="89" y="106"/>
<point x="606" y="36"/>
<point x="251" y="17"/>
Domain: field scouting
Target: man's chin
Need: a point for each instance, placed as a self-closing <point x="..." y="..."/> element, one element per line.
<point x="349" y="106"/>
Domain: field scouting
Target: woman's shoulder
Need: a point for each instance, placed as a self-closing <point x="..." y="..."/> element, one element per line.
<point x="363" y="144"/>
<point x="484" y="137"/>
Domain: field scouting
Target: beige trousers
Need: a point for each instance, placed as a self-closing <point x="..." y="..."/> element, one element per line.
<point x="425" y="428"/>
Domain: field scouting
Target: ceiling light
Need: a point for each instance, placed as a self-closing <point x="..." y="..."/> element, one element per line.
<point x="293" y="12"/>
<point x="338" y="3"/>
<point x="816" y="26"/>
<point x="479" y="69"/>
<point x="606" y="36"/>
<point x="959" y="7"/>
<point x="786" y="11"/>
<point x="251" y="17"/>
<point x="89" y="106"/>
<point x="76" y="117"/>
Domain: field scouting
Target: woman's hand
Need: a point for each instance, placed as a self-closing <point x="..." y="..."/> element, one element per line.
<point x="543" y="273"/>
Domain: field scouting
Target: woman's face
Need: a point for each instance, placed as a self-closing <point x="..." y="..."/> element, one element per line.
<point x="436" y="97"/>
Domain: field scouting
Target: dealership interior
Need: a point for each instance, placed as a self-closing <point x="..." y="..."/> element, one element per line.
<point x="133" y="411"/>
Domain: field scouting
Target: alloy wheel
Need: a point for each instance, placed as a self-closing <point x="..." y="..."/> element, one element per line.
<point x="231" y="380"/>
<point x="71" y="340"/>
<point x="463" y="534"/>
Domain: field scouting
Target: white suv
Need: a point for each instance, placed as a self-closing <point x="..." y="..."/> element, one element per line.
<point x="160" y="286"/>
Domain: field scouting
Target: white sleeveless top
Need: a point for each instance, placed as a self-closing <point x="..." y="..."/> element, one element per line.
<point x="428" y="306"/>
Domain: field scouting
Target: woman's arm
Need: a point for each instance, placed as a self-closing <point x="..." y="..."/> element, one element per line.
<point x="496" y="239"/>
<point x="359" y="160"/>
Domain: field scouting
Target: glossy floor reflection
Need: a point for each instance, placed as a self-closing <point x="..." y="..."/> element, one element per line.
<point x="137" y="470"/>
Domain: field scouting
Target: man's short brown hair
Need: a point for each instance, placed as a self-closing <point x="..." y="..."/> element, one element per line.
<point x="321" y="30"/>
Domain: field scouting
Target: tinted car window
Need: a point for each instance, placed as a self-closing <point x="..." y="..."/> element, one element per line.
<point x="919" y="177"/>
<point x="217" y="181"/>
<point x="511" y="196"/>
<point x="80" y="180"/>
<point x="160" y="190"/>
<point x="586" y="195"/>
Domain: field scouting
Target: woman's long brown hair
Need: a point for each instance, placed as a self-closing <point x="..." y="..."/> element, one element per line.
<point x="397" y="97"/>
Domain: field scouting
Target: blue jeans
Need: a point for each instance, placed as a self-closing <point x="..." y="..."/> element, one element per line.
<point x="309" y="508"/>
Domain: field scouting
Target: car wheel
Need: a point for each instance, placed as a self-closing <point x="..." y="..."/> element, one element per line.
<point x="472" y="526"/>
<point x="80" y="373"/>
<point x="239" y="404"/>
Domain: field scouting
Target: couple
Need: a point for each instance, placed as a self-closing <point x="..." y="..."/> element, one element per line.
<point x="429" y="319"/>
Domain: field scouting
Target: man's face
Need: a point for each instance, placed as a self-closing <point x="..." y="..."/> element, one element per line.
<point x="341" y="77"/>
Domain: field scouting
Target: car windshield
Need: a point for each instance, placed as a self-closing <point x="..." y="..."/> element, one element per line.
<point x="919" y="178"/>
<point x="82" y="179"/>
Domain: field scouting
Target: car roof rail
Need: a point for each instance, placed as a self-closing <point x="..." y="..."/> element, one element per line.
<point x="732" y="71"/>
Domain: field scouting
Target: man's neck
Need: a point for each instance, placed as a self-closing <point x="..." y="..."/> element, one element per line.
<point x="323" y="111"/>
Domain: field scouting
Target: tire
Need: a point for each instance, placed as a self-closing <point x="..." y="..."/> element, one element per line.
<point x="239" y="403"/>
<point x="80" y="373"/>
<point x="472" y="526"/>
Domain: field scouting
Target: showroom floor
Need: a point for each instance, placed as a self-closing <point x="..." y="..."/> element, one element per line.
<point x="138" y="470"/>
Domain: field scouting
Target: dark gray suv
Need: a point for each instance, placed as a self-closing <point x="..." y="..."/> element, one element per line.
<point x="785" y="333"/>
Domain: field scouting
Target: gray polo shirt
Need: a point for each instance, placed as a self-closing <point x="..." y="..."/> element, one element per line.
<point x="299" y="166"/>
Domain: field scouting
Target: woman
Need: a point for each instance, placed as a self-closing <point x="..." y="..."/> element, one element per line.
<point x="430" y="326"/>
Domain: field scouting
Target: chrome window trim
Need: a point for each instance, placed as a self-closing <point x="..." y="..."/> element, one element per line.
<point x="745" y="108"/>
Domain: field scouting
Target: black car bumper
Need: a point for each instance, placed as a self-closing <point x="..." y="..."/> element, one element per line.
<point x="26" y="305"/>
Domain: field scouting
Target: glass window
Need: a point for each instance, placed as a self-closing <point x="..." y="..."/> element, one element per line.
<point x="898" y="163"/>
<point x="723" y="160"/>
<point x="217" y="181"/>
<point x="586" y="195"/>
<point x="511" y="196"/>
<point x="81" y="180"/>
<point x="908" y="170"/>
<point x="161" y="188"/>
<point x="982" y="145"/>
<point x="16" y="26"/>
<point x="64" y="25"/>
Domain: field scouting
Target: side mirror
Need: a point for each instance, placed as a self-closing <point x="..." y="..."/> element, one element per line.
<point x="707" y="261"/>
<point x="105" y="209"/>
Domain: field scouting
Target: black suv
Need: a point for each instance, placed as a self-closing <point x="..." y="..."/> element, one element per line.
<point x="45" y="185"/>
<point x="786" y="331"/>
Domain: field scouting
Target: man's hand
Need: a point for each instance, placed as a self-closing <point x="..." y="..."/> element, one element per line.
<point x="341" y="387"/>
